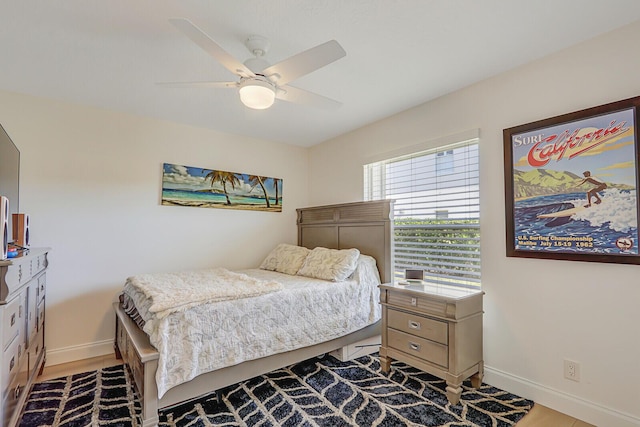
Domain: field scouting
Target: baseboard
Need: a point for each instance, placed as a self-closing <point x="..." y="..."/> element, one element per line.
<point x="577" y="407"/>
<point x="74" y="353"/>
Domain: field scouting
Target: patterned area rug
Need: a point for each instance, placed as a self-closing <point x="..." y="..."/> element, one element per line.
<point x="96" y="398"/>
<point x="317" y="392"/>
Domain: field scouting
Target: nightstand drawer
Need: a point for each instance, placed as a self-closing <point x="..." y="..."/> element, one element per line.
<point x="419" y="347"/>
<point x="422" y="303"/>
<point x="434" y="330"/>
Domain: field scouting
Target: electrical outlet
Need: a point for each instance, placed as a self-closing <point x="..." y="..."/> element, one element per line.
<point x="571" y="370"/>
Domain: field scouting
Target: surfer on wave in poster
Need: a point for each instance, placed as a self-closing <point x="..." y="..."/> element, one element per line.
<point x="599" y="186"/>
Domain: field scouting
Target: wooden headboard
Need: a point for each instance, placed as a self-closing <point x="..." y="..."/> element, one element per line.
<point x="366" y="226"/>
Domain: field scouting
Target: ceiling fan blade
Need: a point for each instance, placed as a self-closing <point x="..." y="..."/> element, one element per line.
<point x="304" y="62"/>
<point x="200" y="38"/>
<point x="199" y="84"/>
<point x="301" y="96"/>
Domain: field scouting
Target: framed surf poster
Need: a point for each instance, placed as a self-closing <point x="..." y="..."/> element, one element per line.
<point x="571" y="186"/>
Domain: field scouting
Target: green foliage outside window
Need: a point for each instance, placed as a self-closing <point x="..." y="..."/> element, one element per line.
<point x="448" y="250"/>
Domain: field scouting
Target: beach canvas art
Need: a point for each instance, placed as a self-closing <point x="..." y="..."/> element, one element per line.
<point x="210" y="188"/>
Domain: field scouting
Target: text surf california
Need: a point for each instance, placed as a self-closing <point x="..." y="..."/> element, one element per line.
<point x="555" y="146"/>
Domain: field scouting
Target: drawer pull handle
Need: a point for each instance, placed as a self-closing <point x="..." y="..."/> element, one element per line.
<point x="414" y="301"/>
<point x="13" y="319"/>
<point x="16" y="393"/>
<point x="12" y="363"/>
<point x="414" y="325"/>
<point x="413" y="346"/>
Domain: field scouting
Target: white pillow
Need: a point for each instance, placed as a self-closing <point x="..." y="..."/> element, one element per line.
<point x="330" y="264"/>
<point x="285" y="258"/>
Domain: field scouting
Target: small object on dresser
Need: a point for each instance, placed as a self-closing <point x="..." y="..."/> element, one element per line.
<point x="414" y="275"/>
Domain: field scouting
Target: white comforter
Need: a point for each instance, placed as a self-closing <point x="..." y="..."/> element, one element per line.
<point x="306" y="312"/>
<point x="172" y="292"/>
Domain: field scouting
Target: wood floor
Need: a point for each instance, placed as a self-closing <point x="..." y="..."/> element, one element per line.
<point x="539" y="415"/>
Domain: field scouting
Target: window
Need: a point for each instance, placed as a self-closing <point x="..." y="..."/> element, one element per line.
<point x="436" y="211"/>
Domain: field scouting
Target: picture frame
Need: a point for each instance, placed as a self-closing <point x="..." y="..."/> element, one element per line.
<point x="571" y="186"/>
<point x="211" y="188"/>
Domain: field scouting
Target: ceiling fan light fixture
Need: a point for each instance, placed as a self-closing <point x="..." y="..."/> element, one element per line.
<point x="257" y="94"/>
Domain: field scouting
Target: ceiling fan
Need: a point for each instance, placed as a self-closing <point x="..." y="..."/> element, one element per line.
<point x="260" y="83"/>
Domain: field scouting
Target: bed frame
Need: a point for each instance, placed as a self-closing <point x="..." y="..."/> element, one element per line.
<point x="363" y="225"/>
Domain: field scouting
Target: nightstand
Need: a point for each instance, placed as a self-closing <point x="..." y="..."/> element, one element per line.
<point x="435" y="328"/>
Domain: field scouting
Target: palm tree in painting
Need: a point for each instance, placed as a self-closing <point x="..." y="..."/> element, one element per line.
<point x="223" y="178"/>
<point x="275" y="186"/>
<point x="259" y="180"/>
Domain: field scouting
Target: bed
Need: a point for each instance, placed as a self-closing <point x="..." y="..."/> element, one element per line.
<point x="365" y="226"/>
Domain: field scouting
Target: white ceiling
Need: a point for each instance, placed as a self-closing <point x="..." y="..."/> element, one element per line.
<point x="400" y="53"/>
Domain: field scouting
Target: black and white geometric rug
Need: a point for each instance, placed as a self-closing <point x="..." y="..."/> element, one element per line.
<point x="316" y="392"/>
<point x="95" y="398"/>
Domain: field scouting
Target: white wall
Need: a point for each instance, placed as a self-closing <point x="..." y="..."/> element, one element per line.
<point x="537" y="312"/>
<point x="91" y="182"/>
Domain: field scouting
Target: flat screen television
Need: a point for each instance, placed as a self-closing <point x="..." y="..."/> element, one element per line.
<point x="9" y="175"/>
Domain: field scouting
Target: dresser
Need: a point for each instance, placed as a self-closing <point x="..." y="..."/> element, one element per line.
<point x="23" y="285"/>
<point x="437" y="329"/>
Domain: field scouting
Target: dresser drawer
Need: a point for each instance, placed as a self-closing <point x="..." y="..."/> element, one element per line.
<point x="411" y="302"/>
<point x="36" y="347"/>
<point x="15" y="390"/>
<point x="25" y="271"/>
<point x="39" y="263"/>
<point x="41" y="287"/>
<point x="419" y="347"/>
<point x="40" y="316"/>
<point x="10" y="362"/>
<point x="12" y="320"/>
<point x="16" y="275"/>
<point x="32" y="311"/>
<point x="431" y="329"/>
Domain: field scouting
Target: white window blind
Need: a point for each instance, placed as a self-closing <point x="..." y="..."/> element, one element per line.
<point x="436" y="211"/>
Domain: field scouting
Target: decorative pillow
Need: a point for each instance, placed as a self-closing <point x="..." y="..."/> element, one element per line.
<point x="330" y="264"/>
<point x="285" y="258"/>
<point x="366" y="270"/>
